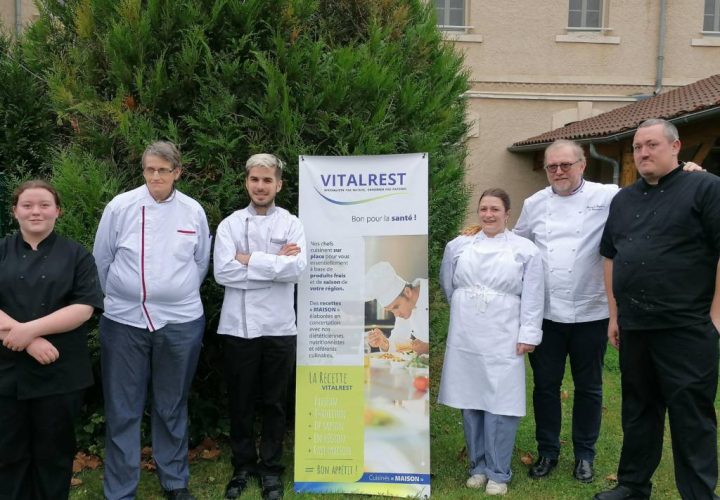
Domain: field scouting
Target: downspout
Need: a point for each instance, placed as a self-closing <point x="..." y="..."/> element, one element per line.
<point x="18" y="17"/>
<point x="614" y="163"/>
<point x="660" y="50"/>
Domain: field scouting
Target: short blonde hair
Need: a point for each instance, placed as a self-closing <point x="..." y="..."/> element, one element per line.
<point x="265" y="160"/>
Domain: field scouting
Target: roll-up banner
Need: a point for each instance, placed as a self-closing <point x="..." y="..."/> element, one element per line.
<point x="362" y="416"/>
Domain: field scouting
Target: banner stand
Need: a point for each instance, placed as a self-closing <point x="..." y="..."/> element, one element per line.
<point x="362" y="415"/>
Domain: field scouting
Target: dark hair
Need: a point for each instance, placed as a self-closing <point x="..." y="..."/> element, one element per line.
<point x="496" y="193"/>
<point x="35" y="184"/>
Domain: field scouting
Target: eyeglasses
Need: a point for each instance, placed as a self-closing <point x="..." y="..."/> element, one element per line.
<point x="150" y="172"/>
<point x="552" y="168"/>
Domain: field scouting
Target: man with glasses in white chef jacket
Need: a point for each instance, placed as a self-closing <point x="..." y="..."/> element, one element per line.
<point x="565" y="220"/>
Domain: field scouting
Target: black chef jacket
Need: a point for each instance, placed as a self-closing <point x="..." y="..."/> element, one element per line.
<point x="664" y="240"/>
<point x="34" y="284"/>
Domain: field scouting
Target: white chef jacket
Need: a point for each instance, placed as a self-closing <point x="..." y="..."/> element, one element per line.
<point x="567" y="230"/>
<point x="152" y="258"/>
<point x="258" y="296"/>
<point x="417" y="324"/>
<point x="495" y="287"/>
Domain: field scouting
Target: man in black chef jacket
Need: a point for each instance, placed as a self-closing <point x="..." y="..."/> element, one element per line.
<point x="661" y="244"/>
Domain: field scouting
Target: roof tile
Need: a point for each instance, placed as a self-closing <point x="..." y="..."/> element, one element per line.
<point x="698" y="96"/>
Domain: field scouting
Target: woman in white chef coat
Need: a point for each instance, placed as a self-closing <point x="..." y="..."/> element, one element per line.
<point x="494" y="283"/>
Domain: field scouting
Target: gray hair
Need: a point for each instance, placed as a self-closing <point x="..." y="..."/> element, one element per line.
<point x="165" y="150"/>
<point x="265" y="160"/>
<point x="565" y="143"/>
<point x="670" y="130"/>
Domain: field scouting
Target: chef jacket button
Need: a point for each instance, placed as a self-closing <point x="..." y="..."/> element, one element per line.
<point x="42" y="277"/>
<point x="577" y="231"/>
<point x="22" y="277"/>
<point x="637" y="216"/>
<point x="642" y="263"/>
<point x="629" y="238"/>
<point x="662" y="190"/>
<point x="573" y="249"/>
<point x="579" y="211"/>
<point x="42" y="304"/>
<point x="24" y="256"/>
<point x="625" y="263"/>
<point x="645" y="193"/>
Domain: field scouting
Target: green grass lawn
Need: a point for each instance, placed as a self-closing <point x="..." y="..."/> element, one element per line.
<point x="449" y="467"/>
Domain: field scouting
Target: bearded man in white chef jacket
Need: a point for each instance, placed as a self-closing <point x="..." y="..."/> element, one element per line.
<point x="408" y="302"/>
<point x="565" y="220"/>
<point x="259" y="256"/>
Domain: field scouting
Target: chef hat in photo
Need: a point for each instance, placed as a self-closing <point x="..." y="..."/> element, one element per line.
<point x="382" y="284"/>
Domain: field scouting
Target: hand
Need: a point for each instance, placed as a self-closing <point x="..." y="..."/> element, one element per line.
<point x="614" y="334"/>
<point x="524" y="348"/>
<point x="692" y="167"/>
<point x="289" y="249"/>
<point x="43" y="351"/>
<point x="20" y="336"/>
<point x="376" y="338"/>
<point x="471" y="230"/>
<point x="420" y="347"/>
<point x="243" y="258"/>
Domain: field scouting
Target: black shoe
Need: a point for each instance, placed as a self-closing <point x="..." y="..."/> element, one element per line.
<point x="542" y="467"/>
<point x="237" y="485"/>
<point x="272" y="487"/>
<point x="620" y="492"/>
<point x="583" y="471"/>
<point x="179" y="494"/>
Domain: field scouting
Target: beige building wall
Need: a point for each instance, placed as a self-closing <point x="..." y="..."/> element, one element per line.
<point x="530" y="74"/>
<point x="13" y="12"/>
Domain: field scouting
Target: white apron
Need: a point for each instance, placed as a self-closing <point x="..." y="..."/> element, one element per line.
<point x="482" y="370"/>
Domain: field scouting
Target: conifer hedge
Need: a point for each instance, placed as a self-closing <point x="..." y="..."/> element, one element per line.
<point x="226" y="79"/>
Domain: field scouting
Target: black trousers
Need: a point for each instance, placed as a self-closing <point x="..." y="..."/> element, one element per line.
<point x="258" y="372"/>
<point x="585" y="343"/>
<point x="37" y="446"/>
<point x="674" y="370"/>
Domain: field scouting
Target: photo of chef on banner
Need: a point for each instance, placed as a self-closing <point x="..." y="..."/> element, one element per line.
<point x="407" y="301"/>
<point x="396" y="354"/>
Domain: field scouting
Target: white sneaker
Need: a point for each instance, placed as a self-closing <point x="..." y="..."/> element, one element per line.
<point x="494" y="488"/>
<point x="476" y="481"/>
